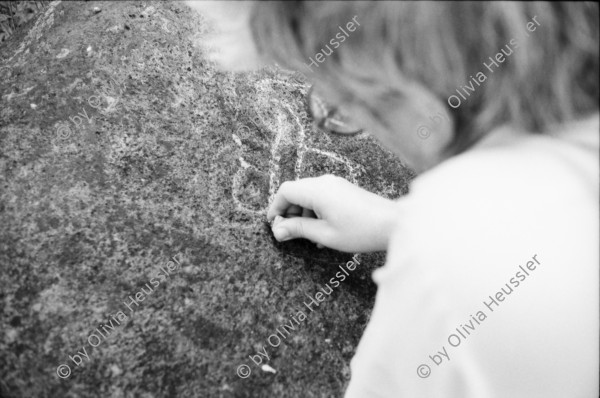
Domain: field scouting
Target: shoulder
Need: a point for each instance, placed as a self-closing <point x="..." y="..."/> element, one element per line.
<point x="514" y="194"/>
<point x="508" y="182"/>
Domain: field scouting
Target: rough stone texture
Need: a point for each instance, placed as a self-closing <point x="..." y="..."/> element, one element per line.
<point x="120" y="147"/>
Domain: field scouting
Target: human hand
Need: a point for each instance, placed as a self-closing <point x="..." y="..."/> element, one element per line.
<point x="332" y="212"/>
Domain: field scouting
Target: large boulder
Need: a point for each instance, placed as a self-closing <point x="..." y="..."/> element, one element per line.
<point x="135" y="258"/>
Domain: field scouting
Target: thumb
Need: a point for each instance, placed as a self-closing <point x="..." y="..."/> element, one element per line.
<point x="299" y="227"/>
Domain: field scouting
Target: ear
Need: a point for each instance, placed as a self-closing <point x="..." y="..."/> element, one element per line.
<point x="229" y="40"/>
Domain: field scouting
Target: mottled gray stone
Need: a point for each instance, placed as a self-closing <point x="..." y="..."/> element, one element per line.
<point x="121" y="147"/>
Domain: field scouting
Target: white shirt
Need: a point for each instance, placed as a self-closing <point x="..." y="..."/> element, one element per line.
<point x="462" y="233"/>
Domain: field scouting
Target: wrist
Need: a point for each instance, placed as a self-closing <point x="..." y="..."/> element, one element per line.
<point x="382" y="222"/>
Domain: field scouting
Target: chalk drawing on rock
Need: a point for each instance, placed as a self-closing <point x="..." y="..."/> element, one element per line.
<point x="221" y="188"/>
<point x="253" y="188"/>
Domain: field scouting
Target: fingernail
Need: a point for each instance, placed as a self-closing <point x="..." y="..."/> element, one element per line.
<point x="281" y="234"/>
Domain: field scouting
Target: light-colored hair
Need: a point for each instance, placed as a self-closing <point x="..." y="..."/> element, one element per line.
<point x="551" y="78"/>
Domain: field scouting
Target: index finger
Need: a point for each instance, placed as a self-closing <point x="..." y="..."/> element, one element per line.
<point x="299" y="192"/>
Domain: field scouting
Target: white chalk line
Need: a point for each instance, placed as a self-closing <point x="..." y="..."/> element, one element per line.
<point x="274" y="161"/>
<point x="282" y="134"/>
<point x="302" y="149"/>
<point x="301" y="146"/>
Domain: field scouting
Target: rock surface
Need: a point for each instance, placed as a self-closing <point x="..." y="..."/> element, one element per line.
<point x="121" y="148"/>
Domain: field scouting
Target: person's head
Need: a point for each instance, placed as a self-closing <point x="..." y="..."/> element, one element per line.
<point x="397" y="71"/>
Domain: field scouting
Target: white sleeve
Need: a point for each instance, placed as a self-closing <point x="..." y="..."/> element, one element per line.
<point x="490" y="288"/>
